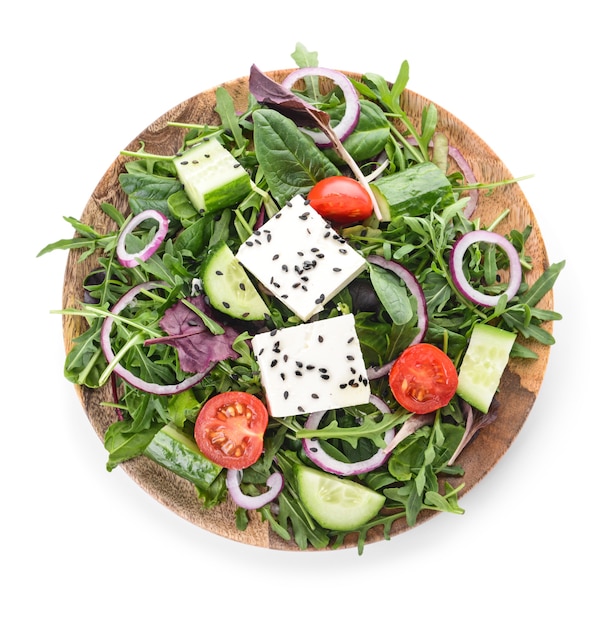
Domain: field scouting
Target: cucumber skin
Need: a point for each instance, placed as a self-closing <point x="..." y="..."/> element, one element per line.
<point x="174" y="450"/>
<point x="413" y="191"/>
<point x="484" y="337"/>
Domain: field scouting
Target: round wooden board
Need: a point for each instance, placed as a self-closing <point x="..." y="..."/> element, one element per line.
<point x="520" y="383"/>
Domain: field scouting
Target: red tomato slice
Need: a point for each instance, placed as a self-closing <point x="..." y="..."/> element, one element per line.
<point x="230" y="427"/>
<point x="341" y="200"/>
<point x="423" y="378"/>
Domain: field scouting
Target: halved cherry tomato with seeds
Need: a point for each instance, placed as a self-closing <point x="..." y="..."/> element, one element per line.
<point x="341" y="200"/>
<point x="230" y="427"/>
<point x="423" y="378"/>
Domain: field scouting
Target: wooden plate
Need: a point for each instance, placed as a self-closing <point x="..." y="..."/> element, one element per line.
<point x="519" y="386"/>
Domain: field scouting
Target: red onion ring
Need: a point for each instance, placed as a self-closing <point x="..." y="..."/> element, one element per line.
<point x="128" y="259"/>
<point x="353" y="109"/>
<point x="456" y="266"/>
<point x="327" y="463"/>
<point x="413" y="286"/>
<point x="132" y="379"/>
<point x="233" y="479"/>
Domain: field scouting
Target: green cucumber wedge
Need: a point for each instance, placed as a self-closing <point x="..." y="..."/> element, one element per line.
<point x="336" y="503"/>
<point x="413" y="191"/>
<point x="483" y="364"/>
<point x="212" y="177"/>
<point x="229" y="287"/>
<point x="176" y="451"/>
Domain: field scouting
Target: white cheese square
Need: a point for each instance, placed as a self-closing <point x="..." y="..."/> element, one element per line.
<point x="310" y="367"/>
<point x="300" y="258"/>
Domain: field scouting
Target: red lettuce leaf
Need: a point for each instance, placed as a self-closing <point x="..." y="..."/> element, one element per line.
<point x="198" y="349"/>
<point x="273" y="94"/>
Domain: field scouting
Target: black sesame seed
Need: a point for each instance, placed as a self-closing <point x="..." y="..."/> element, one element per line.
<point x="276" y="257"/>
<point x="285" y="268"/>
<point x="249" y="243"/>
<point x="285" y="394"/>
<point x="242" y="286"/>
<point x="299" y="363"/>
<point x="337" y="269"/>
<point x="273" y="363"/>
<point x="236" y="165"/>
<point x="314" y="395"/>
<point x="350" y="357"/>
<point x="300" y="409"/>
<point x="298" y="373"/>
<point x="343" y="385"/>
<point x="218" y="272"/>
<point x="226" y="305"/>
<point x="325" y="376"/>
<point x="350" y="340"/>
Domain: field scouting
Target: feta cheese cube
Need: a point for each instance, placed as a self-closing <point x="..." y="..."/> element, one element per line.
<point x="300" y="258"/>
<point x="315" y="366"/>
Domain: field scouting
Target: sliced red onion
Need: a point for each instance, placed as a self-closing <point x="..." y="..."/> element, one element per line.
<point x="409" y="427"/>
<point x="468" y="174"/>
<point x="233" y="479"/>
<point x="128" y="259"/>
<point x="413" y="286"/>
<point x="456" y="266"/>
<point x="351" y="114"/>
<point x="327" y="463"/>
<point x="132" y="379"/>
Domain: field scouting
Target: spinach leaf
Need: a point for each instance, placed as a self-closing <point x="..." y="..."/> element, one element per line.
<point x="146" y="191"/>
<point x="392" y="294"/>
<point x="278" y="141"/>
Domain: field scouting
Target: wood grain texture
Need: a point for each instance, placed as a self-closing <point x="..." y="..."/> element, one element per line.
<point x="520" y="384"/>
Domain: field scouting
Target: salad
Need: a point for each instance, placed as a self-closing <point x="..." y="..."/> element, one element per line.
<point x="300" y="310"/>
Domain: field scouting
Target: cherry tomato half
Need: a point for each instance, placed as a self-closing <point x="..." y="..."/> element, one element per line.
<point x="341" y="200"/>
<point x="423" y="378"/>
<point x="230" y="427"/>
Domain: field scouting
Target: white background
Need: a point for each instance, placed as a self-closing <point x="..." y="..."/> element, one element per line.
<point x="82" y="546"/>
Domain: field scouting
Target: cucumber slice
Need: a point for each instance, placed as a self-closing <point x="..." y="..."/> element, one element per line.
<point x="212" y="177"/>
<point x="228" y="286"/>
<point x="413" y="191"/>
<point x="483" y="365"/>
<point x="336" y="503"/>
<point x="174" y="450"/>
